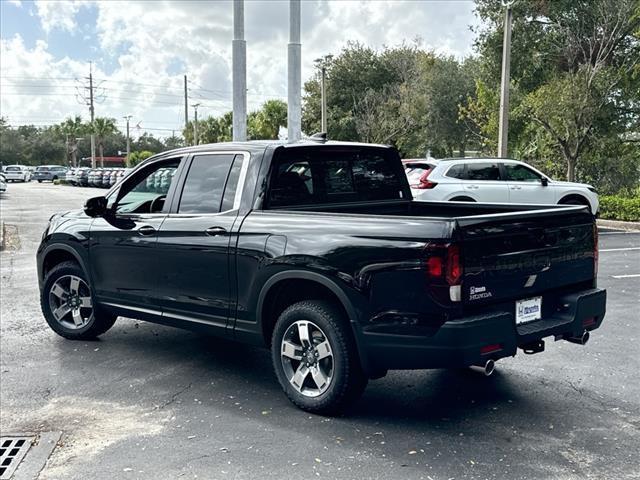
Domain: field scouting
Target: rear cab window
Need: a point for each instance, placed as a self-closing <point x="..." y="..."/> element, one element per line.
<point x="308" y="176"/>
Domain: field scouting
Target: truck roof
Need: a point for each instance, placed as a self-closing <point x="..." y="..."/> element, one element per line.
<point x="252" y="145"/>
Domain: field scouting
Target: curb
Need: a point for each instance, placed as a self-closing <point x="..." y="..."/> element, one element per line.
<point x="1" y="235"/>
<point x="630" y="226"/>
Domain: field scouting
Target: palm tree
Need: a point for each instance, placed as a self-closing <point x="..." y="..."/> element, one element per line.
<point x="72" y="128"/>
<point x="103" y="127"/>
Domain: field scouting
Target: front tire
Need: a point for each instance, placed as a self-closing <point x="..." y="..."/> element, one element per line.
<point x="315" y="358"/>
<point x="68" y="307"/>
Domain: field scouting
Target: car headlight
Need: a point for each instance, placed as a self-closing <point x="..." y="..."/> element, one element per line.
<point x="592" y="189"/>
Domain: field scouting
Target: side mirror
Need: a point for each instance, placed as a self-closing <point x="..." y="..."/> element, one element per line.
<point x="544" y="181"/>
<point x="96" y="206"/>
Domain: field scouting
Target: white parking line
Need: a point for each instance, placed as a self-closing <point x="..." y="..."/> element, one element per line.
<point x="635" y="275"/>
<point x="619" y="249"/>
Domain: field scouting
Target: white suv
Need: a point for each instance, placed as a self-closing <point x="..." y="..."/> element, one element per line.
<point x="492" y="180"/>
<point x="17" y="173"/>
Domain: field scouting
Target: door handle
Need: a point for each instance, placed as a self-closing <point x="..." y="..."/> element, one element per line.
<point x="215" y="231"/>
<point x="146" y="230"/>
<point x="516" y="187"/>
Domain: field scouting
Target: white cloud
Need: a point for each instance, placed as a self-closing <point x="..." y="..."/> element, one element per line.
<point x="58" y="15"/>
<point x="146" y="38"/>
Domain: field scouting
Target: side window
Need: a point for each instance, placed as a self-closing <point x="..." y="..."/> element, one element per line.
<point x="204" y="186"/>
<point x="483" y="171"/>
<point x="231" y="187"/>
<point x="145" y="192"/>
<point x="520" y="173"/>
<point x="457" y="171"/>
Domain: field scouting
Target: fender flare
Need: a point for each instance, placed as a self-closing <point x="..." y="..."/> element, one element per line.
<point x="66" y="248"/>
<point x="305" y="275"/>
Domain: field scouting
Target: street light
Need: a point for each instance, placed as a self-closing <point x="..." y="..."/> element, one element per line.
<point x="322" y="63"/>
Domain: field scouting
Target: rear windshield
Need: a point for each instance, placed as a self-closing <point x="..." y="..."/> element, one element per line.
<point x="13" y="169"/>
<point x="42" y="169"/>
<point x="307" y="176"/>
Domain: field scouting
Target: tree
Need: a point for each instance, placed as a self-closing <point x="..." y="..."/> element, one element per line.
<point x="71" y="129"/>
<point x="139" y="156"/>
<point x="103" y="127"/>
<point x="148" y="142"/>
<point x="266" y="122"/>
<point x="574" y="74"/>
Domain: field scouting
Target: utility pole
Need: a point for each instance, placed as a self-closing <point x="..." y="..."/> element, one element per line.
<point x="294" y="80"/>
<point x="195" y="123"/>
<point x="90" y="100"/>
<point x="503" y="129"/>
<point x="127" y="118"/>
<point x="322" y="63"/>
<point x="92" y="111"/>
<point x="186" y="104"/>
<point x="239" y="73"/>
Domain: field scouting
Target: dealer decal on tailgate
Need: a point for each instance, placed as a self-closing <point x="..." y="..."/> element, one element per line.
<point x="476" y="293"/>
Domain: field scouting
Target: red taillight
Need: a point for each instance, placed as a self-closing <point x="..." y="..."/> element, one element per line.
<point x="434" y="266"/>
<point x="454" y="265"/>
<point x="424" y="182"/>
<point x="589" y="321"/>
<point x="444" y="263"/>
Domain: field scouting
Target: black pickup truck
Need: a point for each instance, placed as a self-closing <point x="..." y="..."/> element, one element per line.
<point x="317" y="250"/>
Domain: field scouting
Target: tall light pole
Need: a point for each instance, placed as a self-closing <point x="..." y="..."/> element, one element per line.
<point x="239" y="73"/>
<point x="195" y="123"/>
<point x="322" y="64"/>
<point x="503" y="131"/>
<point x="294" y="76"/>
<point x="127" y="118"/>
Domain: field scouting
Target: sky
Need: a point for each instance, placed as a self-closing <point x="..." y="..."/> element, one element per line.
<point x="141" y="49"/>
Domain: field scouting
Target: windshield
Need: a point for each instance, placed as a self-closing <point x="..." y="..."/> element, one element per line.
<point x="13" y="169"/>
<point x="42" y="169"/>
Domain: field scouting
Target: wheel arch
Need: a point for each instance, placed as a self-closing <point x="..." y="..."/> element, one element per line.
<point x="564" y="199"/>
<point x="275" y="296"/>
<point x="57" y="253"/>
<point x="306" y="285"/>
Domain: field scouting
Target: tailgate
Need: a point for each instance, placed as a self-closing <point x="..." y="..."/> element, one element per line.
<point x="519" y="255"/>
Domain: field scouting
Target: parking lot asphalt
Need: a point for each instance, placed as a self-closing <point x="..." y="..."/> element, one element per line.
<point x="147" y="401"/>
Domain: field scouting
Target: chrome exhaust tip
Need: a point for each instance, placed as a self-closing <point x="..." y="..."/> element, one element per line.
<point x="487" y="369"/>
<point x="581" y="340"/>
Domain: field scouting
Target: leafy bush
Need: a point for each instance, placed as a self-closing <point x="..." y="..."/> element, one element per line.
<point x="617" y="207"/>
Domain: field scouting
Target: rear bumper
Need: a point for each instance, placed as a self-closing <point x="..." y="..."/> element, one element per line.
<point x="459" y="343"/>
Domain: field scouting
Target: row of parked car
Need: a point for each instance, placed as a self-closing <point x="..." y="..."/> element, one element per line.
<point x="95" y="177"/>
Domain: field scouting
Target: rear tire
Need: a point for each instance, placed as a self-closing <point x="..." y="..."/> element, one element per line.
<point x="68" y="306"/>
<point x="330" y="351"/>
